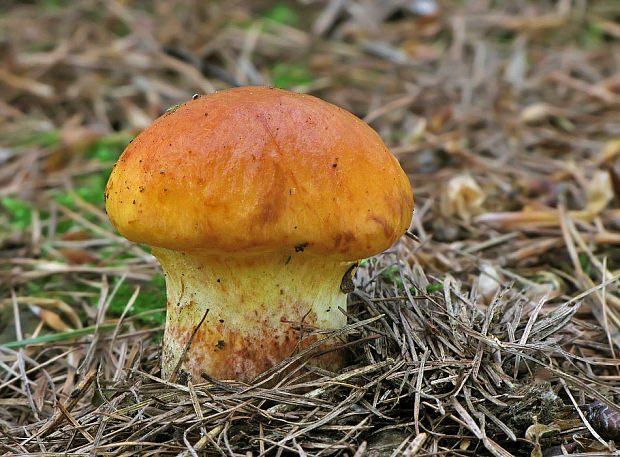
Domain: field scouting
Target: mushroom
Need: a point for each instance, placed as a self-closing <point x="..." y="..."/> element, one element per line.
<point x="257" y="202"/>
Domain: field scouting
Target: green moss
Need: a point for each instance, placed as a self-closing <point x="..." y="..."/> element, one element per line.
<point x="64" y="199"/>
<point x="152" y="297"/>
<point x="47" y="286"/>
<point x="109" y="148"/>
<point x="19" y="211"/>
<point x="54" y="5"/>
<point x="42" y="139"/>
<point x="286" y="75"/>
<point x="434" y="287"/>
<point x="592" y="36"/>
<point x="392" y="276"/>
<point x="91" y="193"/>
<point x="282" y="14"/>
<point x="94" y="189"/>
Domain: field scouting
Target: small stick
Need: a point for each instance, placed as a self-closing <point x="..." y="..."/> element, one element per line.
<point x="75" y="423"/>
<point x="59" y="415"/>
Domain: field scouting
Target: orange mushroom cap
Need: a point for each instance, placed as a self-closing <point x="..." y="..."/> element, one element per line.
<point x="258" y="169"/>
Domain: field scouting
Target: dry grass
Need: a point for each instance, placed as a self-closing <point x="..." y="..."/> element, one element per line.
<point x="495" y="330"/>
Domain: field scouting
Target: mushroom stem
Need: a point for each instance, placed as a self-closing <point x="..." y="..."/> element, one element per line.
<point x="257" y="304"/>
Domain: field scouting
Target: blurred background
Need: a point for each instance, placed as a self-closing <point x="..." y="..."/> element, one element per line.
<point x="502" y="113"/>
<point x="505" y="116"/>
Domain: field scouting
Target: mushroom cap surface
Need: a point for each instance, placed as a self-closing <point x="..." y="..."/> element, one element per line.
<point x="258" y="169"/>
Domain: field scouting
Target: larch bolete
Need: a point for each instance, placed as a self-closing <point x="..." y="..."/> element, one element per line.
<point x="257" y="202"/>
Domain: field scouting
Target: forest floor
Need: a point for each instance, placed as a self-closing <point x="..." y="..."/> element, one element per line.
<point x="493" y="330"/>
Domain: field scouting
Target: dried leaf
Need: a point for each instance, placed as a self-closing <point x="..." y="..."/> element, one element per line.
<point x="598" y="195"/>
<point x="50" y="318"/>
<point x="535" y="431"/>
<point x="536" y="113"/>
<point x="463" y="197"/>
<point x="489" y="282"/>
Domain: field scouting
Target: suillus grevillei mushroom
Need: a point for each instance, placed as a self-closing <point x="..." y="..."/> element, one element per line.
<point x="257" y="202"/>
